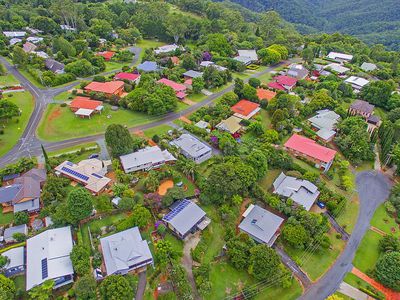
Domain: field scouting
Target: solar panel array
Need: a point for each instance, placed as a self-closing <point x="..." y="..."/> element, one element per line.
<point x="97" y="175"/>
<point x="176" y="210"/>
<point x="45" y="271"/>
<point x="74" y="173"/>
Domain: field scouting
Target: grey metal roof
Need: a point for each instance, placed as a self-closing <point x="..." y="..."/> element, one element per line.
<point x="243" y="59"/>
<point x="252" y="54"/>
<point x="183" y="220"/>
<point x="338" y="68"/>
<point x="124" y="249"/>
<point x="54" y="65"/>
<point x="368" y="66"/>
<point x="362" y="106"/>
<point x="260" y="224"/>
<point x="148" y="66"/>
<point x="148" y="155"/>
<point x="9" y="193"/>
<point x="9" y="232"/>
<point x="191" y="146"/>
<point x="325" y="119"/>
<point x="16" y="257"/>
<point x="297" y="71"/>
<point x="193" y="74"/>
<point x="300" y="191"/>
<point x="29" y="206"/>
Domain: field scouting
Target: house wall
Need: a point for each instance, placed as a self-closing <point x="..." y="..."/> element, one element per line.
<point x="318" y="164"/>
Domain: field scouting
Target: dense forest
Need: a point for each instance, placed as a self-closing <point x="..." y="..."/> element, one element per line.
<point x="372" y="21"/>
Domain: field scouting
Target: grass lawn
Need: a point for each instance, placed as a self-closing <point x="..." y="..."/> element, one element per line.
<point x="8" y="80"/>
<point x="266" y="78"/>
<point x="66" y="96"/>
<point x="317" y="263"/>
<point x="305" y="165"/>
<point x="159" y="130"/>
<point x="265" y="119"/>
<point x="348" y="216"/>
<point x="358" y="283"/>
<point x="6" y="218"/>
<point x="12" y="129"/>
<point x="177" y="245"/>
<point x="280" y="293"/>
<point x="365" y="166"/>
<point x="367" y="253"/>
<point x="59" y="123"/>
<point x="216" y="230"/>
<point x="115" y="66"/>
<point x="31" y="78"/>
<point x="73" y="149"/>
<point x="145" y="44"/>
<point x="269" y="178"/>
<point x="384" y="221"/>
<point x="197" y="97"/>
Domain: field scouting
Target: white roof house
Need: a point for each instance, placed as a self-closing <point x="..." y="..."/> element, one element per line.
<point x="297" y="71"/>
<point x="300" y="191"/>
<point x="145" y="159"/>
<point x="167" y="49"/>
<point x="14" y="41"/>
<point x="16" y="261"/>
<point x="368" y="67"/>
<point x="48" y="257"/>
<point x="261" y="224"/>
<point x="357" y="82"/>
<point x="67" y="27"/>
<point x="41" y="54"/>
<point x="192" y="148"/>
<point x="338" y="68"/>
<point x="125" y="251"/>
<point x="340" y="57"/>
<point x="325" y="121"/>
<point x="246" y="56"/>
<point x="14" y="34"/>
<point x="207" y="64"/>
<point x="34" y="39"/>
<point x="10" y="231"/>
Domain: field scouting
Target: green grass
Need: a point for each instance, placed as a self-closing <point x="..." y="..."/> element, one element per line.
<point x="365" y="166"/>
<point x="216" y="229"/>
<point x="305" y="165"/>
<point x="177" y="245"/>
<point x="348" y="216"/>
<point x="358" y="283"/>
<point x="115" y="66"/>
<point x="73" y="149"/>
<point x="367" y="253"/>
<point x="66" y="96"/>
<point x="20" y="282"/>
<point x="146" y="44"/>
<point x="384" y="221"/>
<point x="12" y="129"/>
<point x="317" y="263"/>
<point x="265" y="78"/>
<point x="59" y="123"/>
<point x="8" y="80"/>
<point x="159" y="130"/>
<point x="7" y="218"/>
<point x="28" y="76"/>
<point x="277" y="292"/>
<point x="269" y="178"/>
<point x="197" y="97"/>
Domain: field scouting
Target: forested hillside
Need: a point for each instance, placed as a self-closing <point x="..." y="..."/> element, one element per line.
<point x="372" y="21"/>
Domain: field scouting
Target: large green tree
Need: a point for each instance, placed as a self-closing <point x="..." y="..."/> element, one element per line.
<point x="116" y="287"/>
<point x="378" y="92"/>
<point x="8" y="110"/>
<point x="85" y="288"/>
<point x="79" y="205"/>
<point x="119" y="140"/>
<point x="7" y="288"/>
<point x="80" y="257"/>
<point x="387" y="270"/>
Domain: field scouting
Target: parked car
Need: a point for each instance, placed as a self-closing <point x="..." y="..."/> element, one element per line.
<point x="94" y="155"/>
<point x="321" y="205"/>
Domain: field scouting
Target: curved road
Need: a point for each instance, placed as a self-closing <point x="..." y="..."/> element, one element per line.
<point x="373" y="189"/>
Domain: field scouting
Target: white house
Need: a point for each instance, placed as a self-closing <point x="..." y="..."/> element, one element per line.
<point x="192" y="148"/>
<point x="340" y="57"/>
<point x="357" y="82"/>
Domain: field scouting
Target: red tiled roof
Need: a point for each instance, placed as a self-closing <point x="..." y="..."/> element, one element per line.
<point x="181" y="95"/>
<point x="285" y="80"/>
<point x="110" y="87"/>
<point x="176" y="86"/>
<point x="189" y="81"/>
<point x="127" y="76"/>
<point x="310" y="148"/>
<point x="175" y="60"/>
<point x="265" y="94"/>
<point x="85" y="102"/>
<point x="106" y="54"/>
<point x="276" y="86"/>
<point x="245" y="107"/>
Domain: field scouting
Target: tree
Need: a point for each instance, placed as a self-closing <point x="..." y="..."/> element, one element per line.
<point x="378" y="92"/>
<point x="119" y="140"/>
<point x="176" y="26"/>
<point x="308" y="55"/>
<point x="116" y="287"/>
<point x="141" y="216"/>
<point x="45" y="24"/>
<point x="269" y="56"/>
<point x="218" y="43"/>
<point x="131" y="35"/>
<point x="239" y="87"/>
<point x="3" y="261"/>
<point x="80" y="258"/>
<point x="389" y="243"/>
<point x="198" y="84"/>
<point x="254" y="82"/>
<point x="164" y="252"/>
<point x="62" y="45"/>
<point x="126" y="203"/>
<point x="334" y="297"/>
<point x="387" y="270"/>
<point x="8" y="110"/>
<point x="295" y="235"/>
<point x="282" y="50"/>
<point x="258" y="161"/>
<point x="85" y="288"/>
<point x="3" y="70"/>
<point x="238" y="250"/>
<point x="7" y="288"/>
<point x="54" y="189"/>
<point x="101" y="28"/>
<point x="79" y="205"/>
<point x="172" y="195"/>
<point x="21" y="217"/>
<point x="80" y="68"/>
<point x="249" y="93"/>
<point x="264" y="263"/>
<point x="19" y="237"/>
<point x="43" y="291"/>
<point x="19" y="57"/>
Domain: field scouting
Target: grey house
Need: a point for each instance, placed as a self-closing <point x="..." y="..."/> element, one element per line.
<point x="262" y="225"/>
<point x="297" y="71"/>
<point x="186" y="217"/>
<point x="16" y="261"/>
<point x="54" y="66"/>
<point x="192" y="148"/>
<point x="125" y="251"/>
<point x="300" y="191"/>
<point x="324" y="122"/>
<point x="9" y="232"/>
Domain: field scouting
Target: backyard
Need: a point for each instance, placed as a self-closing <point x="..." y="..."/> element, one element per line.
<point x="6" y="218"/>
<point x="146" y="44"/>
<point x="14" y="128"/>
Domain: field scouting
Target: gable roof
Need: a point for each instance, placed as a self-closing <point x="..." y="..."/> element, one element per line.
<point x="300" y="191"/>
<point x="265" y="94"/>
<point x="285" y="80"/>
<point x="191" y="145"/>
<point x="261" y="224"/>
<point x="245" y="109"/>
<point x="193" y="74"/>
<point x="337" y="55"/>
<point x="177" y="87"/>
<point x="338" y="68"/>
<point x="29" y="47"/>
<point x="148" y="66"/>
<point x="276" y="86"/>
<point x="16" y="257"/>
<point x="127" y="76"/>
<point x="9" y="232"/>
<point x="48" y="256"/>
<point x="252" y="54"/>
<point x="85" y="103"/>
<point x="106" y="54"/>
<point x="298" y="71"/>
<point x="358" y="81"/>
<point x="149" y="155"/>
<point x="367" y="67"/>
<point x="166" y="49"/>
<point x="54" y="65"/>
<point x="110" y="87"/>
<point x="324" y="119"/>
<point x="184" y="216"/>
<point x="124" y="249"/>
<point x="362" y="106"/>
<point x="310" y="148"/>
<point x="231" y="125"/>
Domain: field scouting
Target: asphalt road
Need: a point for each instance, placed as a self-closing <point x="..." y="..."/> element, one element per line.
<point x="373" y="189"/>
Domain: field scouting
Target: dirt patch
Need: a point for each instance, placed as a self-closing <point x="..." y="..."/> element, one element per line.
<point x="55" y="114"/>
<point x="165" y="186"/>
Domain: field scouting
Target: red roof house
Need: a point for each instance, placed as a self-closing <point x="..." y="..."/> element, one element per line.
<point x="106" y="54"/>
<point x="245" y="109"/>
<point x="180" y="89"/>
<point x="108" y="88"/>
<point x="264" y="94"/>
<point x="283" y="83"/>
<point x="127" y="76"/>
<point x="175" y="60"/>
<point x="302" y="146"/>
<point x="84" y="102"/>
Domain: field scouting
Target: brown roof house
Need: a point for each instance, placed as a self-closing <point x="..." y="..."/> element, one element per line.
<point x="24" y="193"/>
<point x="364" y="109"/>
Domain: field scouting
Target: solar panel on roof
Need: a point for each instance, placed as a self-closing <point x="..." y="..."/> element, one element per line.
<point x="176" y="210"/>
<point x="45" y="272"/>
<point x="74" y="173"/>
<point x="97" y="175"/>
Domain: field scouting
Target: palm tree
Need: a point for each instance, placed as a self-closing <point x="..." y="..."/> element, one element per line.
<point x="187" y="167"/>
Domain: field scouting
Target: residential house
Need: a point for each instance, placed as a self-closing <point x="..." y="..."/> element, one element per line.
<point x="14" y="34"/>
<point x="8" y="235"/>
<point x="368" y="67"/>
<point x="301" y="191"/>
<point x="231" y="125"/>
<point x="185" y="217"/>
<point x="246" y="57"/>
<point x="14" y="41"/>
<point x="54" y="66"/>
<point x="89" y="172"/>
<point x="24" y="193"/>
<point x="67" y="27"/>
<point x="261" y="225"/>
<point x="148" y="66"/>
<point x="206" y="64"/>
<point x="16" y="261"/>
<point x="125" y="252"/>
<point x="340" y="57"/>
<point x="192" y="148"/>
<point x="264" y="94"/>
<point x="337" y="68"/>
<point x="29" y="47"/>
<point x="297" y="71"/>
<point x="283" y="83"/>
<point x="175" y="60"/>
<point x="131" y="77"/>
<point x="304" y="147"/>
<point x="48" y="258"/>
<point x="41" y="54"/>
<point x="361" y="108"/>
<point x="107" y="55"/>
<point x="167" y="49"/>
<point x="109" y="89"/>
<point x="356" y="82"/>
<point x="324" y="123"/>
<point x="146" y="159"/>
<point x="192" y="74"/>
<point x="34" y="39"/>
<point x="245" y="109"/>
<point x="180" y="89"/>
<point x="203" y="125"/>
<point x="85" y="107"/>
